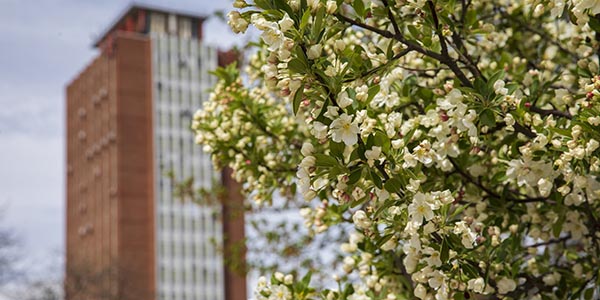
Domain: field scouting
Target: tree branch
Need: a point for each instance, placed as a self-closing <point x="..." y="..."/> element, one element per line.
<point x="391" y="17"/>
<point x="524" y="130"/>
<point x="376" y="69"/>
<point x="399" y="37"/>
<point x="445" y="57"/>
<point x="488" y="190"/>
<point x="554" y="112"/>
<point x="545" y="36"/>
<point x="550" y="242"/>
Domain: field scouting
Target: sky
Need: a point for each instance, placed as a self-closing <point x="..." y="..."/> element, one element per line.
<point x="43" y="45"/>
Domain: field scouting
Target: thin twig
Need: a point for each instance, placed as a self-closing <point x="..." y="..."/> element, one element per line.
<point x="488" y="190"/>
<point x="446" y="59"/>
<point x="391" y="17"/>
<point x="376" y="69"/>
<point x="554" y="112"/>
<point x="552" y="241"/>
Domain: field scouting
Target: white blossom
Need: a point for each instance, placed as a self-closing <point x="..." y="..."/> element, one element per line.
<point x="506" y="285"/>
<point x="314" y="51"/>
<point x="476" y="285"/>
<point x="420" y="209"/>
<point x="343" y="129"/>
<point x="236" y="22"/>
<point x="373" y="155"/>
<point x="361" y="220"/>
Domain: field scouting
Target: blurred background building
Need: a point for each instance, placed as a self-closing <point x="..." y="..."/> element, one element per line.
<point x="128" y="117"/>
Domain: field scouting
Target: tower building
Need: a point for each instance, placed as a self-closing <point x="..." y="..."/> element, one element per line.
<point x="128" y="118"/>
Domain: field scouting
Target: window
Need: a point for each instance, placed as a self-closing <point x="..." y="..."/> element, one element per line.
<point x="157" y="23"/>
<point x="172" y="25"/>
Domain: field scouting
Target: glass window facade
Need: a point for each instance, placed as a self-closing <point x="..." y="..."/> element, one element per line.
<point x="189" y="266"/>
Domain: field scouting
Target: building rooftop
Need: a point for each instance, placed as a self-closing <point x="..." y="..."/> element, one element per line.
<point x="134" y="9"/>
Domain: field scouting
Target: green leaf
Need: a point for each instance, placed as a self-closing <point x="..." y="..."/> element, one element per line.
<point x="323" y="160"/>
<point x="297" y="66"/>
<point x="305" y="19"/>
<point x="594" y="24"/>
<point x="471" y="17"/>
<point x="359" y="7"/>
<point x="282" y="5"/>
<point x="557" y="226"/>
<point x="458" y="210"/>
<point x="425" y="94"/>
<point x="318" y="23"/>
<point x="589" y="293"/>
<point x="495" y="77"/>
<point x="384" y="239"/>
<point x="583" y="72"/>
<point x="512" y="87"/>
<point x="373" y="90"/>
<point x="393" y="185"/>
<point x="470" y="270"/>
<point x="487" y="118"/>
<point x="376" y="179"/>
<point x="387" y="204"/>
<point x="354" y="176"/>
<point x="413" y="31"/>
<point x="306" y="279"/>
<point x="560" y="131"/>
<point x="264" y="4"/>
<point x="337" y="149"/>
<point x="480" y="86"/>
<point x="499" y="177"/>
<point x="445" y="252"/>
<point x="349" y="290"/>
<point x="459" y="296"/>
<point x="381" y="139"/>
<point x="298" y="98"/>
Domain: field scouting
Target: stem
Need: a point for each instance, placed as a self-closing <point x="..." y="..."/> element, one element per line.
<point x="399" y="37"/>
<point x="552" y="241"/>
<point x="445" y="57"/>
<point x="391" y="17"/>
<point x="524" y="130"/>
<point x="376" y="69"/>
<point x="554" y="112"/>
<point x="488" y="190"/>
<point x="545" y="36"/>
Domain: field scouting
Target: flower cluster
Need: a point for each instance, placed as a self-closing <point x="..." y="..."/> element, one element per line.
<point x="251" y="132"/>
<point x="459" y="138"/>
<point x="282" y="287"/>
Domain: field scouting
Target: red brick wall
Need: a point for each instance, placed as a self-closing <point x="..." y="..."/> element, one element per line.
<point x="110" y="192"/>
<point x="135" y="167"/>
<point x="91" y="156"/>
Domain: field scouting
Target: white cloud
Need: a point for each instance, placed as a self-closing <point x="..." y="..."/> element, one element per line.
<point x="32" y="190"/>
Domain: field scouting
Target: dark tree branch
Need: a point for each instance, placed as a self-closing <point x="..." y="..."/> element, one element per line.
<point x="464" y="8"/>
<point x="376" y="69"/>
<point x="399" y="37"/>
<point x="491" y="193"/>
<point x="550" y="242"/>
<point x="545" y="36"/>
<point x="468" y="60"/>
<point x="524" y="130"/>
<point x="554" y="112"/>
<point x="391" y="17"/>
<point x="445" y="57"/>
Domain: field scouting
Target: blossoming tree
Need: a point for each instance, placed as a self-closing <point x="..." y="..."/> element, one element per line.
<point x="458" y="137"/>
